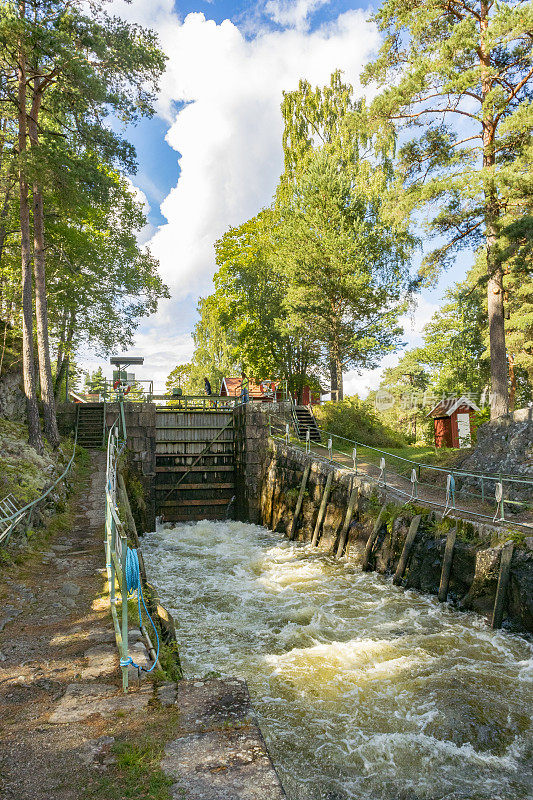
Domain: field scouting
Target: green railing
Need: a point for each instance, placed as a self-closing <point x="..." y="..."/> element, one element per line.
<point x="116" y="541"/>
<point x="492" y="497"/>
<point x="12" y="516"/>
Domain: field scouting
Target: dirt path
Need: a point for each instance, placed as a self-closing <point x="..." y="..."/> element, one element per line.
<point x="55" y="632"/>
<point x="432" y="495"/>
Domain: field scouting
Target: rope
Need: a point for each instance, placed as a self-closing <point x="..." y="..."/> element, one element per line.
<point x="134" y="584"/>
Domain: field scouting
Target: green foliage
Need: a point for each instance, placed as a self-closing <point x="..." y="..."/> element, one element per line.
<point x="356" y="419"/>
<point x="178" y="378"/>
<point x="455" y="82"/>
<point x="315" y="284"/>
<point x="214" y="352"/>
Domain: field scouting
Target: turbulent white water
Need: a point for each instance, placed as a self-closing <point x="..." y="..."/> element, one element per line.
<point x="363" y="690"/>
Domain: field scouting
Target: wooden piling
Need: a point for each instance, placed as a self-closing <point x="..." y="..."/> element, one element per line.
<point x="292" y="530"/>
<point x="406" y="552"/>
<point x="503" y="581"/>
<point x="322" y="509"/>
<point x="365" y="564"/>
<point x="354" y="498"/>
<point x="447" y="565"/>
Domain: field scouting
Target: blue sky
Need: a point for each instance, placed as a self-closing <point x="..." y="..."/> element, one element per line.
<point x="211" y="156"/>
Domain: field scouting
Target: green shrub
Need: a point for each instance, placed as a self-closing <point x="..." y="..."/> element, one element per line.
<point x="356" y="419"/>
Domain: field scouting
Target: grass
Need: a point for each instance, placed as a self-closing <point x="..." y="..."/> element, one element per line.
<point x="424" y="454"/>
<point x="136" y="773"/>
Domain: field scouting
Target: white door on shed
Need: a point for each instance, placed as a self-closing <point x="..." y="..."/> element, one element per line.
<point x="463" y="423"/>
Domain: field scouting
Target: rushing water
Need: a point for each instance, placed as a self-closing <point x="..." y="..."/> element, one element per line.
<point x="363" y="690"/>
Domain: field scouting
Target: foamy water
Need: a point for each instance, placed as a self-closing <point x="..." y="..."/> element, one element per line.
<point x="363" y="690"/>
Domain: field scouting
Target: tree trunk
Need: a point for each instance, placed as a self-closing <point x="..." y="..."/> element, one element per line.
<point x="34" y="427"/>
<point x="337" y="393"/>
<point x="41" y="305"/>
<point x="512" y="384"/>
<point x="63" y="354"/>
<point x="499" y="397"/>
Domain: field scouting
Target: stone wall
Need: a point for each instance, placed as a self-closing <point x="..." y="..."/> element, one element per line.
<point x="140" y="428"/>
<point x="12" y="399"/>
<point x="251" y="444"/>
<point x="477" y="551"/>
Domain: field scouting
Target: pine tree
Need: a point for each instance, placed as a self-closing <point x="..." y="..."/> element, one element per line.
<point x="456" y="78"/>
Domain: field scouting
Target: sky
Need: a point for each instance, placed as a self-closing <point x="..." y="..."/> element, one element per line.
<point x="211" y="156"/>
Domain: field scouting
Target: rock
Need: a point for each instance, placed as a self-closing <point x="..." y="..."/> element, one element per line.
<point x="221" y="754"/>
<point x="167" y="694"/>
<point x="70" y="589"/>
<point x="81" y="701"/>
<point x="103" y="660"/>
<point x="12" y="400"/>
<point x="506" y="445"/>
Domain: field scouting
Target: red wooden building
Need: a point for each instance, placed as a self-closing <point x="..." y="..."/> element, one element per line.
<point x="267" y="391"/>
<point x="452" y="421"/>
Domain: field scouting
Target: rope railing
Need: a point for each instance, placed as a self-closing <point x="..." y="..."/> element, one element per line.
<point x="13" y="516"/>
<point x="413" y="479"/>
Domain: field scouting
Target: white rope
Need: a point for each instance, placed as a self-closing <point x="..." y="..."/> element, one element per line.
<point x="450" y="494"/>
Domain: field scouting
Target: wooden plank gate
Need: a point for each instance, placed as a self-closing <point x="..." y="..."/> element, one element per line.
<point x="195" y="463"/>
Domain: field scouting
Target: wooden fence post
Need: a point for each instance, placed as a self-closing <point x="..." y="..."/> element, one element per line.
<point x="371" y="539"/>
<point x="503" y="581"/>
<point x="354" y="497"/>
<point x="406" y="552"/>
<point x="292" y="530"/>
<point x="447" y="565"/>
<point x="322" y="509"/>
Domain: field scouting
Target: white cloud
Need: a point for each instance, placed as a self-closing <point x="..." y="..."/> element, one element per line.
<point x="293" y="13"/>
<point x="227" y="89"/>
<point x="228" y="133"/>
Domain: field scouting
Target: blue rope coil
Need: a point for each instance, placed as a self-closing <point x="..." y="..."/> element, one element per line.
<point x="134" y="584"/>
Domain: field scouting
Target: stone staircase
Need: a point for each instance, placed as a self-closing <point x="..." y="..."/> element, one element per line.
<point x="91" y="424"/>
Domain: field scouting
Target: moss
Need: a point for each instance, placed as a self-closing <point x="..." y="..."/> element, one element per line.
<point x="514" y="535"/>
<point x="42" y="529"/>
<point x="291" y="496"/>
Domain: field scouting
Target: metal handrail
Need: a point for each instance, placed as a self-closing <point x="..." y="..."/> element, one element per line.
<point x="13" y="519"/>
<point x="449" y="506"/>
<point x="116" y="541"/>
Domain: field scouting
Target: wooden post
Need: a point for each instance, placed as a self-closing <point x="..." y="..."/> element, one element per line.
<point x="503" y="581"/>
<point x="447" y="565"/>
<point x="371" y="539"/>
<point x="354" y="497"/>
<point x="322" y="509"/>
<point x="406" y="552"/>
<point x="292" y="531"/>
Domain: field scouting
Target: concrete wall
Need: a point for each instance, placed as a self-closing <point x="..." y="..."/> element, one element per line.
<point x="477" y="552"/>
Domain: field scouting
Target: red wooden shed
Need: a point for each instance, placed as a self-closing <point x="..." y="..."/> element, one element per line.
<point x="452" y="421"/>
